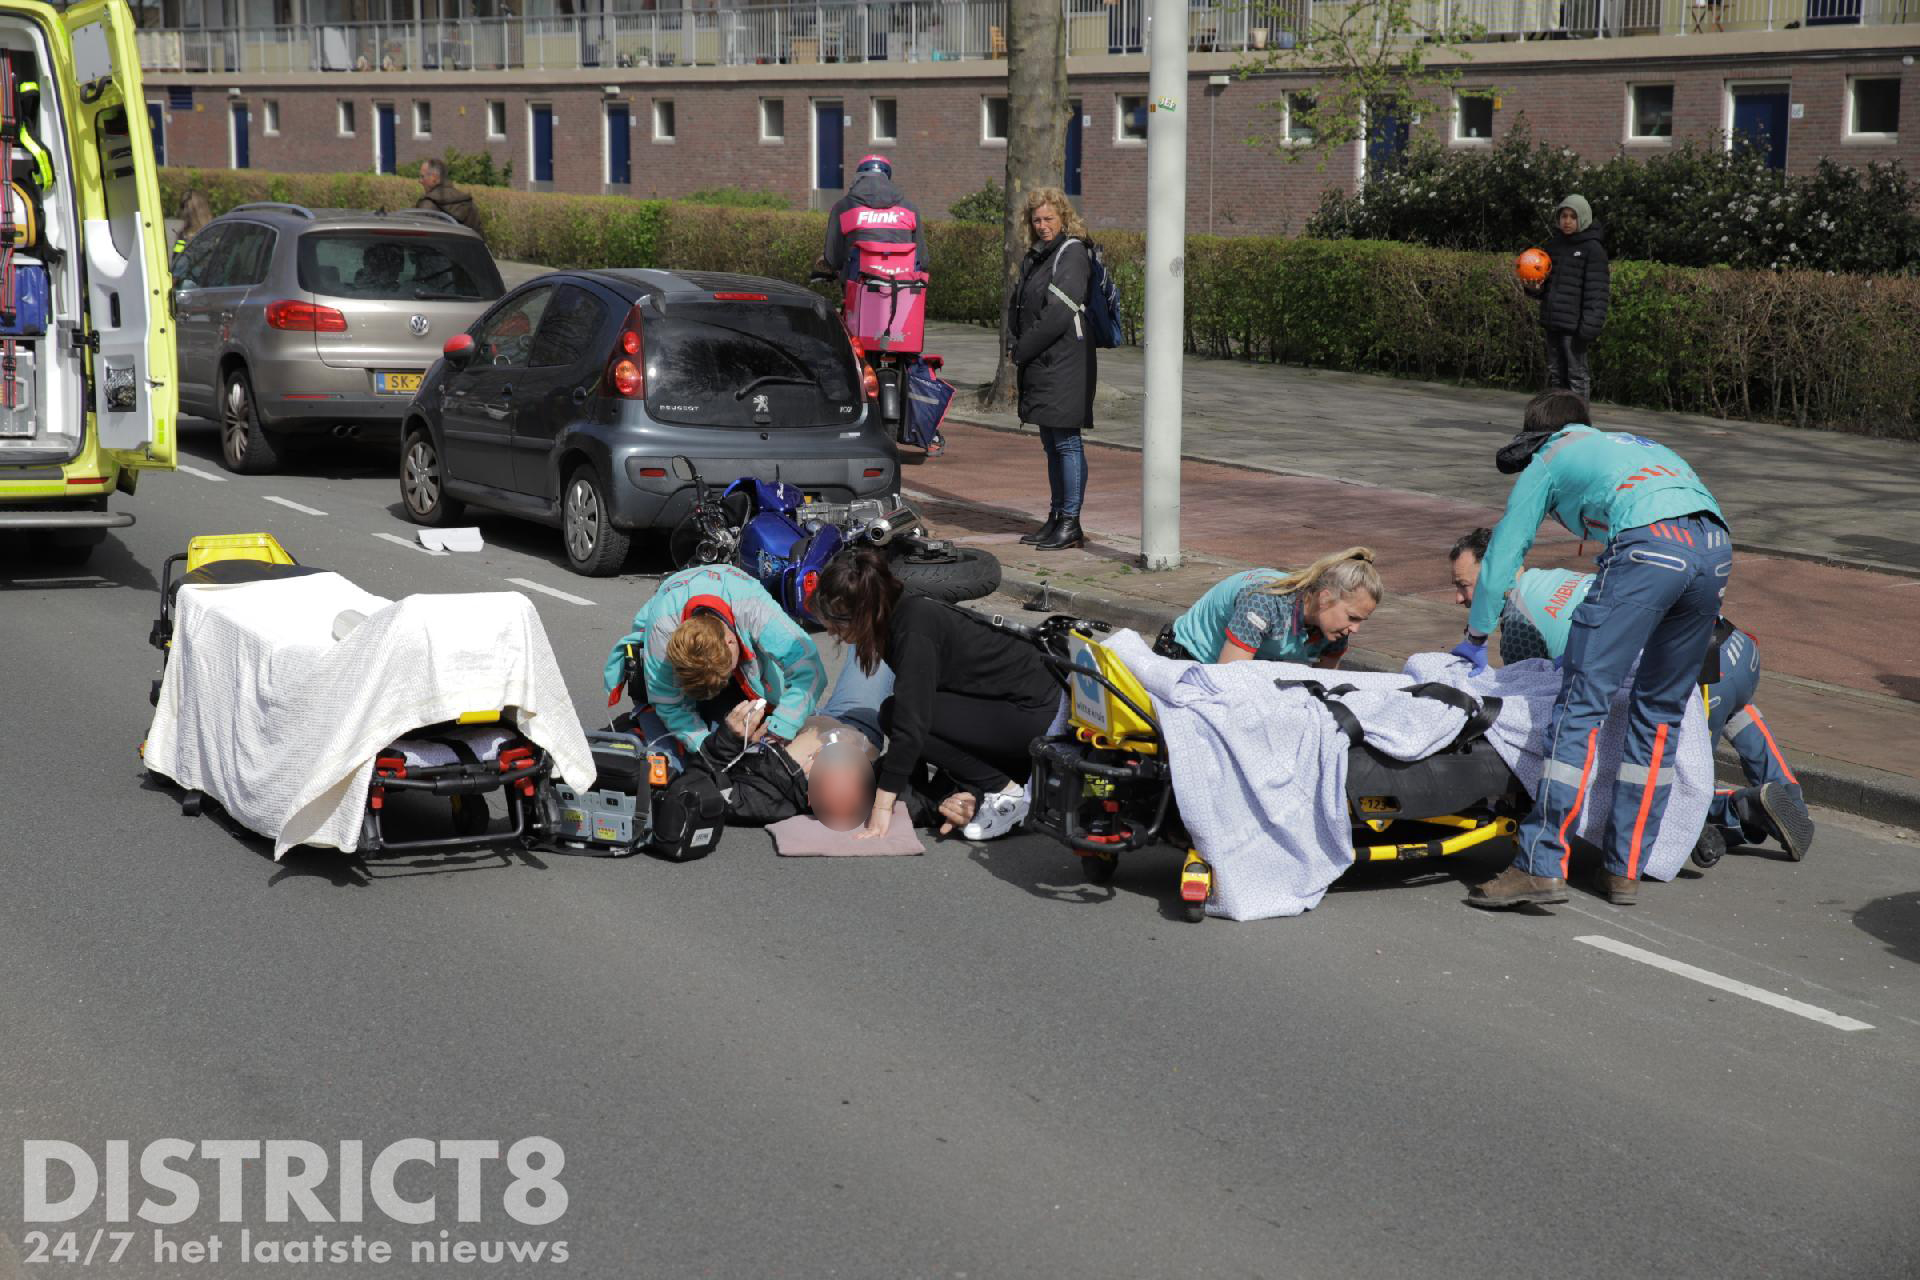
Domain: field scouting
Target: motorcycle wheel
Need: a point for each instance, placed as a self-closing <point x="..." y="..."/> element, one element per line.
<point x="969" y="575"/>
<point x="692" y="543"/>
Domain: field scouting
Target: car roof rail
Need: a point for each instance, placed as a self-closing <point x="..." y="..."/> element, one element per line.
<point x="441" y="214"/>
<point x="261" y="205"/>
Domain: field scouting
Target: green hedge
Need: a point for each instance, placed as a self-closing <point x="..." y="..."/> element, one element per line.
<point x="1804" y="347"/>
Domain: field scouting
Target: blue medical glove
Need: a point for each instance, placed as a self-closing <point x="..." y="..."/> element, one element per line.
<point x="1474" y="650"/>
<point x="1560" y="662"/>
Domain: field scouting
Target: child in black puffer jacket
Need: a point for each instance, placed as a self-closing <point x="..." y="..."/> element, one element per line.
<point x="1573" y="297"/>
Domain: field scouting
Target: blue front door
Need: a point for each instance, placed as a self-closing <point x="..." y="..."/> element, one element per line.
<point x="1387" y="134"/>
<point x="828" y="147"/>
<point x="619" y="146"/>
<point x="156" y="122"/>
<point x="543" y="144"/>
<point x="241" y="160"/>
<point x="386" y="161"/>
<point x="1073" y="150"/>
<point x="1760" y="124"/>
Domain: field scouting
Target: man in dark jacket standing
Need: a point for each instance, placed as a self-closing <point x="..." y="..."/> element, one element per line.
<point x="876" y="210"/>
<point x="444" y="196"/>
<point x="1573" y="297"/>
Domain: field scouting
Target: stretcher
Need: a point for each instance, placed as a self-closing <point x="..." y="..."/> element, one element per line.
<point x="1104" y="787"/>
<point x="462" y="761"/>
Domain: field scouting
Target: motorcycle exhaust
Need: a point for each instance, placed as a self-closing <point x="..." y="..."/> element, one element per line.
<point x="346" y="431"/>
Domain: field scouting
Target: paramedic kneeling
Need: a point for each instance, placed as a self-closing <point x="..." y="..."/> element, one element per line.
<point x="708" y="639"/>
<point x="1533" y="624"/>
<point x="1663" y="573"/>
<point x="1306" y="616"/>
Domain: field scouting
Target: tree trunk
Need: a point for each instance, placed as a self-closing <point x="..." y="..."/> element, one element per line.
<point x="1036" y="141"/>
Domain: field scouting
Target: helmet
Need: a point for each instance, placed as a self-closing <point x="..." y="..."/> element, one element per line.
<point x="1533" y="266"/>
<point x="875" y="164"/>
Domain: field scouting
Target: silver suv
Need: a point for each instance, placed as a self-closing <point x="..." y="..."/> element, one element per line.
<point x="296" y="321"/>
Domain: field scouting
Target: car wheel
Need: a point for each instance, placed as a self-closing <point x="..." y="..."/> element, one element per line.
<point x="245" y="446"/>
<point x="423" y="489"/>
<point x="594" y="547"/>
<point x="971" y="574"/>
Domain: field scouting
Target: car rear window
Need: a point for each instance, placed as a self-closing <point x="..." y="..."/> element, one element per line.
<point x="710" y="361"/>
<point x="399" y="266"/>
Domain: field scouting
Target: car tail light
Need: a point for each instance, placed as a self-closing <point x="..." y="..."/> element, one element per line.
<point x="627" y="367"/>
<point x="305" y="317"/>
<point x="868" y="377"/>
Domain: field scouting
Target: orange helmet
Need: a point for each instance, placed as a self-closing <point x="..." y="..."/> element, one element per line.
<point x="1533" y="266"/>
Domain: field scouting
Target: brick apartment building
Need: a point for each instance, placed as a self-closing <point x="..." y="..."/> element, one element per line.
<point x="777" y="98"/>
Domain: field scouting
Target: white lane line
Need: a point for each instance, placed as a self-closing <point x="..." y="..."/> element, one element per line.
<point x="408" y="543"/>
<point x="550" y="591"/>
<point x="55" y="582"/>
<point x="297" y="506"/>
<point x="198" y="474"/>
<point x="1708" y="977"/>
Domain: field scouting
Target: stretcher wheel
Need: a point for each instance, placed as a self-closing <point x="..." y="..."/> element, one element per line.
<point x="1196" y="912"/>
<point x="190" y="803"/>
<point x="369" y="833"/>
<point x="1709" y="849"/>
<point x="153" y="694"/>
<point x="1100" y="867"/>
<point x="470" y="816"/>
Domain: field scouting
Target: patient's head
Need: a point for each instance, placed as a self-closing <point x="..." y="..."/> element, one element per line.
<point x="840" y="785"/>
<point x="703" y="654"/>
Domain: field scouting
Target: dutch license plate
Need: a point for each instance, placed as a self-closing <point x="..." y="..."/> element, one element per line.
<point x="397" y="384"/>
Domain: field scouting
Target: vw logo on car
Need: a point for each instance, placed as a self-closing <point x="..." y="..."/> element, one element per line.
<point x="419" y="326"/>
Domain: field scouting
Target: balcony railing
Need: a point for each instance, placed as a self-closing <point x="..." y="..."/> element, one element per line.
<point x="919" y="31"/>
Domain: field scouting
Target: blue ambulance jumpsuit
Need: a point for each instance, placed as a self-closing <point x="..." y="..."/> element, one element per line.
<point x="1535" y="622"/>
<point x="1663" y="574"/>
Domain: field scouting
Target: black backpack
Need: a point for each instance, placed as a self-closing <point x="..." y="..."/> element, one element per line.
<point x="690" y="814"/>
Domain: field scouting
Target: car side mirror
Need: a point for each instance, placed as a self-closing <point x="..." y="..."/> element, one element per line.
<point x="682" y="468"/>
<point x="459" y="350"/>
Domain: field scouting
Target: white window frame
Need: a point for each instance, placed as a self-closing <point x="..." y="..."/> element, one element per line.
<point x="417" y="106"/>
<point x="774" y="138"/>
<point x="1120" y="138"/>
<point x="1632" y="139"/>
<point x="492" y="105"/>
<point x="986" y="119"/>
<point x="270" y="117"/>
<point x="1729" y="88"/>
<point x="346" y="118"/>
<point x="1460" y="99"/>
<point x="654" y="112"/>
<point x="874" y="133"/>
<point x="1846" y="121"/>
<point x="1286" y="119"/>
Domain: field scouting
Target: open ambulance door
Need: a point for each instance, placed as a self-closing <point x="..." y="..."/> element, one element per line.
<point x="123" y="234"/>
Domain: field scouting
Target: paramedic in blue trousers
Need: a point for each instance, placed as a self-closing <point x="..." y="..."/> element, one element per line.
<point x="1534" y="623"/>
<point x="1663" y="574"/>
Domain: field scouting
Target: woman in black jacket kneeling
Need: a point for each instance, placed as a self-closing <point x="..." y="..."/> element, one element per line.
<point x="1054" y="353"/>
<point x="967" y="699"/>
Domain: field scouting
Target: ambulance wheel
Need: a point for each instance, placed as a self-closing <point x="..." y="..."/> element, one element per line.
<point x="470" y="816"/>
<point x="246" y="448"/>
<point x="1100" y="867"/>
<point x="1196" y="912"/>
<point x="190" y="803"/>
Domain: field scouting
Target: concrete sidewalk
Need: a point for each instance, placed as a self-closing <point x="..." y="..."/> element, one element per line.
<point x="1835" y="608"/>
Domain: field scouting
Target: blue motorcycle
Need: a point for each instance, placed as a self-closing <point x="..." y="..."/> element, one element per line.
<point x="771" y="530"/>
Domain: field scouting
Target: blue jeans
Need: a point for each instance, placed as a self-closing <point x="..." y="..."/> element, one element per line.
<point x="1066" y="469"/>
<point x="857" y="697"/>
<point x="1656" y="599"/>
<point x="1731" y="713"/>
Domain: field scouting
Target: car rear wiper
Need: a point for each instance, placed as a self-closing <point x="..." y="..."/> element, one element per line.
<point x="428" y="295"/>
<point x="781" y="378"/>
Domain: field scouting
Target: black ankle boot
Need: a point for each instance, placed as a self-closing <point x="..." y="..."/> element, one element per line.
<point x="1044" y="532"/>
<point x="1063" y="535"/>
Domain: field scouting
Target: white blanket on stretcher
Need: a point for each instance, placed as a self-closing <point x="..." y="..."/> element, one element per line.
<point x="262" y="709"/>
<point x="1260" y="773"/>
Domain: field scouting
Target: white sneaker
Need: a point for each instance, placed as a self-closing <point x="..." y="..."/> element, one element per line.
<point x="998" y="814"/>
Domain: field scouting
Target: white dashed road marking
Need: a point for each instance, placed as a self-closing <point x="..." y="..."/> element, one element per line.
<point x="408" y="543"/>
<point x="1707" y="977"/>
<point x="550" y="591"/>
<point x="198" y="474"/>
<point x="297" y="506"/>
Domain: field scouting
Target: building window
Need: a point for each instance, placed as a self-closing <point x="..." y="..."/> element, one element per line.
<point x="773" y="119"/>
<point x="270" y="118"/>
<point x="993" y="120"/>
<point x="1473" y="116"/>
<point x="886" y="119"/>
<point x="1299" y="129"/>
<point x="1650" y="112"/>
<point x="423" y="119"/>
<point x="663" y="127"/>
<point x="1873" y="109"/>
<point x="1130" y="118"/>
<point x="343" y="118"/>
<point x="496" y="120"/>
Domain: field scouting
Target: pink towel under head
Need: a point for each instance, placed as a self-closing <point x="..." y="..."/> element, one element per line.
<point x="806" y="837"/>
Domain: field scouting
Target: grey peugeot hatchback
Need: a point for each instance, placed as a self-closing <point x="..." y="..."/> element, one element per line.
<point x="296" y="321"/>
<point x="567" y="402"/>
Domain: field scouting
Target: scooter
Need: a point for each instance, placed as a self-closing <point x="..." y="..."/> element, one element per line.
<point x="885" y="361"/>
<point x="771" y="530"/>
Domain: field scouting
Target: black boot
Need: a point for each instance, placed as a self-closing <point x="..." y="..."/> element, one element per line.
<point x="1771" y="810"/>
<point x="1063" y="535"/>
<point x="1044" y="532"/>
